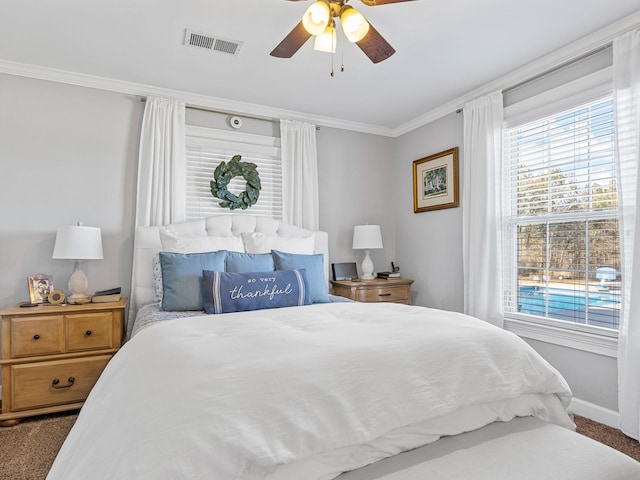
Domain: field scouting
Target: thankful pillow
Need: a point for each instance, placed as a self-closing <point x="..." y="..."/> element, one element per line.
<point x="225" y="292"/>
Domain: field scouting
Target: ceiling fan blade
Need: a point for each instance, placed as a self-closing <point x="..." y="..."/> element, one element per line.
<point x="292" y="42"/>
<point x="375" y="46"/>
<point x="373" y="3"/>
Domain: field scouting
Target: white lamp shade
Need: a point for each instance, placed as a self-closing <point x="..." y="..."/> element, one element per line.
<point x="367" y="237"/>
<point x="77" y="242"/>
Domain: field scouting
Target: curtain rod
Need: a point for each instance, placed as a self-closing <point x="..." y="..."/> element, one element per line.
<point x="559" y="67"/>
<point x="552" y="70"/>
<point x="211" y="110"/>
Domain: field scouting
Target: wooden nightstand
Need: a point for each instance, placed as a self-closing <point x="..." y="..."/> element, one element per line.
<point x="52" y="355"/>
<point x="397" y="290"/>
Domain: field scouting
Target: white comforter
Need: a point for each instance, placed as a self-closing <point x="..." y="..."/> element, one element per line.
<point x="300" y="393"/>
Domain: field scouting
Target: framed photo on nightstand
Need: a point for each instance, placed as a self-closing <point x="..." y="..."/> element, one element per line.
<point x="344" y="271"/>
<point x="40" y="286"/>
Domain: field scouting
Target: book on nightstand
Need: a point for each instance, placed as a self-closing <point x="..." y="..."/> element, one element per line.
<point x="386" y="275"/>
<point x="105" y="296"/>
<point x="114" y="297"/>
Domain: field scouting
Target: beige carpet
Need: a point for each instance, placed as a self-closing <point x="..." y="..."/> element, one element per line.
<point x="27" y="450"/>
<point x="609" y="436"/>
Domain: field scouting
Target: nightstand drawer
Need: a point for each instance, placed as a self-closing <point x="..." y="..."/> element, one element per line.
<point x="37" y="336"/>
<point x="90" y="331"/>
<point x="57" y="382"/>
<point x="382" y="294"/>
<point x="395" y="290"/>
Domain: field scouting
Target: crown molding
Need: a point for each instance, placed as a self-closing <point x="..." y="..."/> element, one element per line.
<point x="203" y="101"/>
<point x="557" y="58"/>
<point x="583" y="46"/>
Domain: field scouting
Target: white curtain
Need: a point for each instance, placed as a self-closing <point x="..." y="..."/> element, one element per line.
<point x="161" y="163"/>
<point x="161" y="170"/>
<point x="300" y="174"/>
<point x="482" y="207"/>
<point x="626" y="84"/>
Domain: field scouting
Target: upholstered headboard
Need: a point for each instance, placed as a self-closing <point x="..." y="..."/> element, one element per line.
<point x="147" y="243"/>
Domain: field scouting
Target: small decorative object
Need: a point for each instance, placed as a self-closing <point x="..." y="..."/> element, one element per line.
<point x="79" y="243"/>
<point x="223" y="175"/>
<point x="40" y="286"/>
<point x="435" y="181"/>
<point x="366" y="237"/>
<point x="56" y="297"/>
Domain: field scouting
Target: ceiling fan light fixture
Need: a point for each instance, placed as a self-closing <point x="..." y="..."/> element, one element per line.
<point x="326" y="41"/>
<point x="316" y="17"/>
<point x="354" y="25"/>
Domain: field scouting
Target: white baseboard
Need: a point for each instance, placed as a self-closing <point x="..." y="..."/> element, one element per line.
<point x="594" y="412"/>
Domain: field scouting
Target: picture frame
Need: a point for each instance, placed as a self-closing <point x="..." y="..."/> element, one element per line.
<point x="435" y="181"/>
<point x="344" y="271"/>
<point x="40" y="286"/>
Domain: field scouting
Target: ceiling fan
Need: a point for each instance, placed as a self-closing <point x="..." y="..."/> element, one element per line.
<point x="318" y="20"/>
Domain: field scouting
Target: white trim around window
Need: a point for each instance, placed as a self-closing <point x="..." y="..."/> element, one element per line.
<point x="605" y="343"/>
<point x="591" y="339"/>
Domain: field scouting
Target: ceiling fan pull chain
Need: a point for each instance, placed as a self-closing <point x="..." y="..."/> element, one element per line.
<point x="332" y="64"/>
<point x="342" y="50"/>
<point x="332" y="50"/>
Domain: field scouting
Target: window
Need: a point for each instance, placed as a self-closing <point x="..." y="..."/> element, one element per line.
<point x="207" y="147"/>
<point x="562" y="223"/>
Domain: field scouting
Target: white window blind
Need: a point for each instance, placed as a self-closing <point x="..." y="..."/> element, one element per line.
<point x="207" y="147"/>
<point x="562" y="225"/>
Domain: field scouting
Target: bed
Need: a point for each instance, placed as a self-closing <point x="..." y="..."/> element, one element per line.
<point x="310" y="387"/>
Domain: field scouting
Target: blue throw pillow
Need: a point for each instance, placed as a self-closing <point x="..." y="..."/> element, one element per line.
<point x="238" y="292"/>
<point x="237" y="262"/>
<point x="313" y="265"/>
<point x="182" y="277"/>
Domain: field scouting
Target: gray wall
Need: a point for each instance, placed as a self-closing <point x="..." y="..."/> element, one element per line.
<point x="592" y="377"/>
<point x="68" y="154"/>
<point x="429" y="244"/>
<point x="355" y="172"/>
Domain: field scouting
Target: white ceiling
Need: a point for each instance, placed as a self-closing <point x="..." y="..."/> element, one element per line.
<point x="445" y="48"/>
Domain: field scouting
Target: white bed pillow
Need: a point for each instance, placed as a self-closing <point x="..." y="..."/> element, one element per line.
<point x="257" y="242"/>
<point x="157" y="278"/>
<point x="176" y="242"/>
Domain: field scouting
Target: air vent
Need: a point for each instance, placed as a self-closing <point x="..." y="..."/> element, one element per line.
<point x="211" y="42"/>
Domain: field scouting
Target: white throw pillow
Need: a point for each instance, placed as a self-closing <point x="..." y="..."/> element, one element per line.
<point x="188" y="243"/>
<point x="157" y="278"/>
<point x="256" y="242"/>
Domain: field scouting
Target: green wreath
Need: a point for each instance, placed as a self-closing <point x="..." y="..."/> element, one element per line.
<point x="223" y="175"/>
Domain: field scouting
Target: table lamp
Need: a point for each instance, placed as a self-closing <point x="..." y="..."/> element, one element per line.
<point x="79" y="243"/>
<point x="367" y="237"/>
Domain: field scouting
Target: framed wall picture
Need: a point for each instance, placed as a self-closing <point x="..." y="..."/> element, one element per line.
<point x="40" y="286"/>
<point x="435" y="181"/>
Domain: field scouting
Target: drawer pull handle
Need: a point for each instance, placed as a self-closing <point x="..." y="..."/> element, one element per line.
<point x="384" y="294"/>
<point x="36" y="337"/>
<point x="56" y="381"/>
<point x="88" y="333"/>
